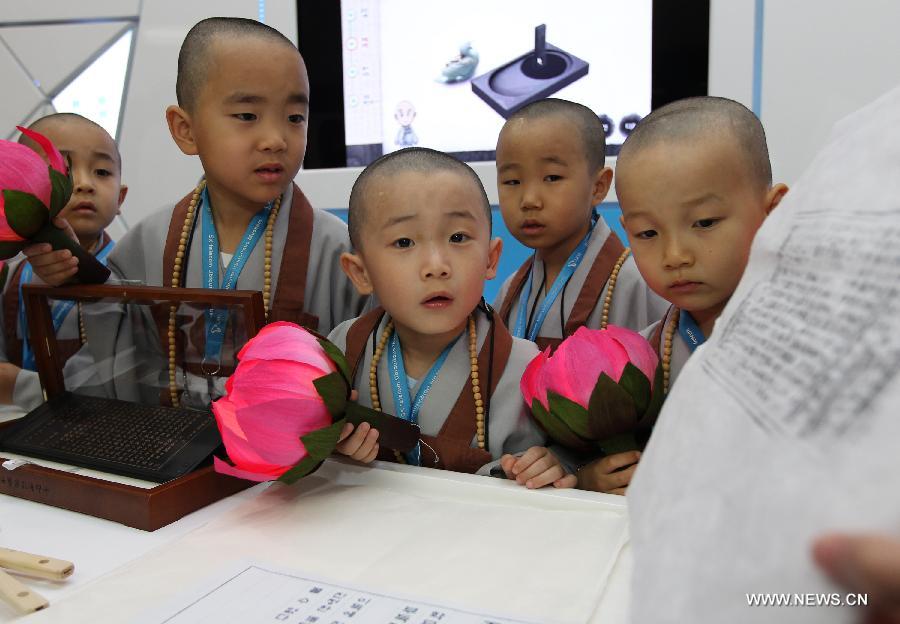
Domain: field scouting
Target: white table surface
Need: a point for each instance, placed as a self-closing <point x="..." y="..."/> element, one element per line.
<point x="99" y="547"/>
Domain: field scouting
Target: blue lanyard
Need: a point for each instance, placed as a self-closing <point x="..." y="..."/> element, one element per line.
<point x="568" y="269"/>
<point x="216" y="319"/>
<point x="689" y="331"/>
<point x="59" y="312"/>
<point x="404" y="407"/>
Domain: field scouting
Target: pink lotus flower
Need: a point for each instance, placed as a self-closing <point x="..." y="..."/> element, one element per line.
<point x="286" y="404"/>
<point x="31" y="194"/>
<point x="272" y="403"/>
<point x="598" y="384"/>
<point x="573" y="369"/>
<point x="22" y="169"/>
<point x="54" y="157"/>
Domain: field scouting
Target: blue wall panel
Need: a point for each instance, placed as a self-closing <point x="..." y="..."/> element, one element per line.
<point x="515" y="253"/>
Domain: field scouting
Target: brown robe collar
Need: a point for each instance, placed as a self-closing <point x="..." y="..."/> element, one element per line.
<point x="452" y="448"/>
<point x="588" y="298"/>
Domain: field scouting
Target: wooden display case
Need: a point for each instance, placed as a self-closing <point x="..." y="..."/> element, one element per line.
<point x="142" y="508"/>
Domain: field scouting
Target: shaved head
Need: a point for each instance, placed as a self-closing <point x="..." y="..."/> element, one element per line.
<point x="590" y="128"/>
<point x="66" y="118"/>
<point x="704" y="118"/>
<point x="195" y="56"/>
<point x="411" y="159"/>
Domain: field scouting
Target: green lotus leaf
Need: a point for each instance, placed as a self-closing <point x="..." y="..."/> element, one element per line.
<point x="574" y="416"/>
<point x="611" y="409"/>
<point x="304" y="467"/>
<point x="635" y="383"/>
<point x="321" y="442"/>
<point x="657" y="397"/>
<point x="25" y="213"/>
<point x="558" y="430"/>
<point x="61" y="186"/>
<point x="337" y="357"/>
<point x="333" y="390"/>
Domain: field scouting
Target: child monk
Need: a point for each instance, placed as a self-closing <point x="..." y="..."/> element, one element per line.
<point x="97" y="196"/>
<point x="243" y="102"/>
<point x="551" y="175"/>
<point x="435" y="354"/>
<point x="695" y="184"/>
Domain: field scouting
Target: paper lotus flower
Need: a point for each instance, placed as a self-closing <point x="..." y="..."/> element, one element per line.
<point x="601" y="390"/>
<point x="31" y="194"/>
<point x="285" y="405"/>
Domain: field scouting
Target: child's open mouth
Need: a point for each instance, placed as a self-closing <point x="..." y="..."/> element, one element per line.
<point x="439" y="300"/>
<point x="269" y="173"/>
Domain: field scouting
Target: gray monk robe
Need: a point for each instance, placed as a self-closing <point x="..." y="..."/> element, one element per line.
<point x="308" y="288"/>
<point x="633" y="305"/>
<point x="319" y="297"/>
<point x="447" y="416"/>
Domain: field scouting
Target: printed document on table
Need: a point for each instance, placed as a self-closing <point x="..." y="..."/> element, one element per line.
<point x="784" y="425"/>
<point x="257" y="593"/>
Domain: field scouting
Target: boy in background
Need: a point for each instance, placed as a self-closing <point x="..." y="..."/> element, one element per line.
<point x="243" y="101"/>
<point x="97" y="196"/>
<point x="551" y="174"/>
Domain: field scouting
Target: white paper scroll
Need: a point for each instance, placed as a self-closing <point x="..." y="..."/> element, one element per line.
<point x="786" y="424"/>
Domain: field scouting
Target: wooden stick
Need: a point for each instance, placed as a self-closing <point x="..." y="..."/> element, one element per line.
<point x="20" y="597"/>
<point x="36" y="565"/>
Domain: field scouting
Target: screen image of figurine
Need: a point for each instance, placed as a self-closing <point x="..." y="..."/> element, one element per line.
<point x="405" y="113"/>
<point x="461" y="67"/>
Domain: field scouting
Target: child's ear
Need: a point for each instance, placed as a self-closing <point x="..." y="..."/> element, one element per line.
<point x="774" y="197"/>
<point x="494" y="252"/>
<point x="123" y="191"/>
<point x="600" y="186"/>
<point x="180" y="128"/>
<point x="355" y="268"/>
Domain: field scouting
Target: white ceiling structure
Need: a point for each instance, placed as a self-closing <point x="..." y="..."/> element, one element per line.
<point x="66" y="58"/>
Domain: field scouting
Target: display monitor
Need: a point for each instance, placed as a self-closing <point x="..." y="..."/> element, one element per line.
<point x="387" y="74"/>
<point x="447" y="75"/>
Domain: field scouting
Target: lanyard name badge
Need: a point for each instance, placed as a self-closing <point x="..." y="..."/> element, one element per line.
<point x="689" y="331"/>
<point x="216" y="319"/>
<point x="406" y="408"/>
<point x="521" y="326"/>
<point x="59" y="310"/>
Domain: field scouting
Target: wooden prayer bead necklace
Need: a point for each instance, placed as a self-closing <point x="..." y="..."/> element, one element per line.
<point x="473" y="359"/>
<point x="180" y="256"/>
<point x="667" y="348"/>
<point x="610" y="287"/>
